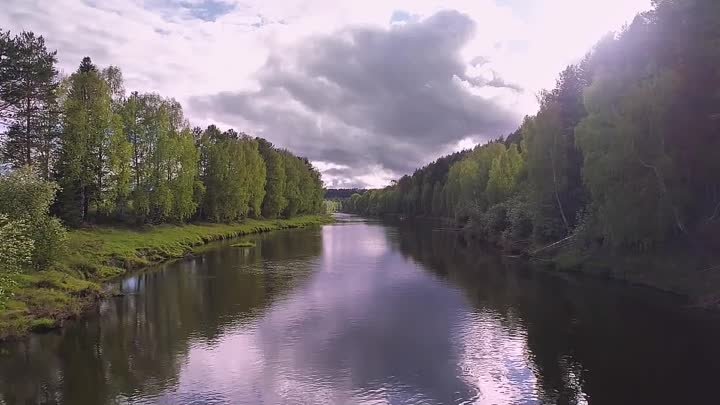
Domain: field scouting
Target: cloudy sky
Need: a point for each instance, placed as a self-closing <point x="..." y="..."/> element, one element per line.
<point x="367" y="90"/>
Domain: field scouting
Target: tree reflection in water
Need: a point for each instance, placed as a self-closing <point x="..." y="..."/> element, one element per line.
<point x="361" y="312"/>
<point x="138" y="343"/>
<point x="588" y="340"/>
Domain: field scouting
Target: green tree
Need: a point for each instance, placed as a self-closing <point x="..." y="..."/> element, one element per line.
<point x="274" y="202"/>
<point x="7" y="56"/>
<point x="256" y="174"/>
<point x="504" y="175"/>
<point x="131" y="115"/>
<point x="468" y="179"/>
<point x="629" y="173"/>
<point x="292" y="185"/>
<point x="28" y="94"/>
<point x="553" y="161"/>
<point x="88" y="121"/>
<point x="183" y="176"/>
<point x="437" y="199"/>
<point x="117" y="171"/>
<point x="233" y="174"/>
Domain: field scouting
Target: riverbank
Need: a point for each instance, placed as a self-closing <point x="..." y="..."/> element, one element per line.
<point x="44" y="299"/>
<point x="687" y="268"/>
<point x="681" y="269"/>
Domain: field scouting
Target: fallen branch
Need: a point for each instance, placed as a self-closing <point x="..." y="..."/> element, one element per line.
<point x="554" y="244"/>
<point x="710" y="268"/>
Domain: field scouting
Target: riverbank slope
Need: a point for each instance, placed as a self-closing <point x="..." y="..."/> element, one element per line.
<point x="688" y="267"/>
<point x="42" y="300"/>
<point x="684" y="269"/>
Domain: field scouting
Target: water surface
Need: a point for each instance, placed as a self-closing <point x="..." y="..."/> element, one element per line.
<point x="367" y="313"/>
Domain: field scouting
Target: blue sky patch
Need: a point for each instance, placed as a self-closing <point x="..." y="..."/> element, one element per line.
<point x="207" y="10"/>
<point x="402" y="16"/>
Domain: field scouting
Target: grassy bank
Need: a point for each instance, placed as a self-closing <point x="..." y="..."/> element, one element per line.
<point x="43" y="299"/>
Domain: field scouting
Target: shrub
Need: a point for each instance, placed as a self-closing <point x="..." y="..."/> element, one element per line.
<point x="50" y="240"/>
<point x="23" y="194"/>
<point x="16" y="247"/>
<point x="15" y="253"/>
<point x="25" y="201"/>
<point x="520" y="220"/>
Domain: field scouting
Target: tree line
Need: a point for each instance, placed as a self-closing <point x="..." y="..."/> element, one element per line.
<point x="83" y="150"/>
<point x="622" y="154"/>
<point x="342" y="193"/>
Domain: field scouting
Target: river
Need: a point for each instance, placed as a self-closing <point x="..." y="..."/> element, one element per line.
<point x="361" y="312"/>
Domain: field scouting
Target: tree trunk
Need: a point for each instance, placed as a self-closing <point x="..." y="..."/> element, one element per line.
<point x="99" y="176"/>
<point x="28" y="136"/>
<point x="83" y="204"/>
<point x="664" y="190"/>
<point x="555" y="186"/>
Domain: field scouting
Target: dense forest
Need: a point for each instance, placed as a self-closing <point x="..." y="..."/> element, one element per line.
<point x="622" y="154"/>
<point x="78" y="151"/>
<point x="342" y="193"/>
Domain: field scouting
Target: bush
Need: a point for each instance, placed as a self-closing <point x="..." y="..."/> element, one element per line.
<point x="488" y="225"/>
<point x="17" y="247"/>
<point x="25" y="201"/>
<point x="520" y="227"/>
<point x="23" y="194"/>
<point x="496" y="219"/>
<point x="15" y="253"/>
<point x="50" y="240"/>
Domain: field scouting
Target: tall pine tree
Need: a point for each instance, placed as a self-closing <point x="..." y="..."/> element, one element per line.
<point x="29" y="104"/>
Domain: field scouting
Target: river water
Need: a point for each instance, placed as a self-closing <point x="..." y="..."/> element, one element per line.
<point x="361" y="312"/>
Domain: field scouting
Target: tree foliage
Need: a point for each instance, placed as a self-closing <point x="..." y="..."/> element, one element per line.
<point x="623" y="149"/>
<point x="25" y="200"/>
<point x="114" y="157"/>
<point x="28" y="100"/>
<point x="84" y="153"/>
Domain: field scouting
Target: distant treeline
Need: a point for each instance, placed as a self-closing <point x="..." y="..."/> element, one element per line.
<point x="623" y="153"/>
<point x="342" y="193"/>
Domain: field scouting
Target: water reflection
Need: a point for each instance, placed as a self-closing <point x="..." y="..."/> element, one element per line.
<point x="586" y="341"/>
<point x="135" y="347"/>
<point x="365" y="313"/>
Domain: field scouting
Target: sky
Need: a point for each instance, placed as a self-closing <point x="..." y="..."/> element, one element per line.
<point x="367" y="90"/>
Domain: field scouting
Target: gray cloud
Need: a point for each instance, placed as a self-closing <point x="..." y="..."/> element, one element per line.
<point x="370" y="98"/>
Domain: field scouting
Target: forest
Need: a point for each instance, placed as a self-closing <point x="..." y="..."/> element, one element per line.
<point x="78" y="151"/>
<point x="342" y="193"/>
<point x="622" y="155"/>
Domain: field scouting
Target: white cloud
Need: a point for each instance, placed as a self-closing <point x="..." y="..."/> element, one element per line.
<point x="202" y="47"/>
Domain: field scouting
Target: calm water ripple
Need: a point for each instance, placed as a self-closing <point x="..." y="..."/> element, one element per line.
<point x="365" y="313"/>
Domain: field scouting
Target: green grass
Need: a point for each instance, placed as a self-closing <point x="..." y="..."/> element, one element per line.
<point x="41" y="300"/>
<point x="43" y="324"/>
